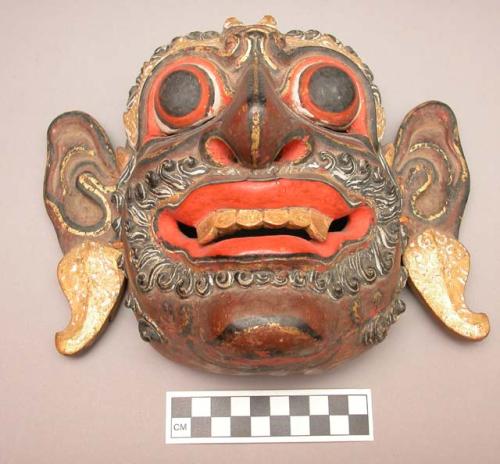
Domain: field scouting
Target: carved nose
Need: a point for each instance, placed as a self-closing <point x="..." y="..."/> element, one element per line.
<point x="257" y="123"/>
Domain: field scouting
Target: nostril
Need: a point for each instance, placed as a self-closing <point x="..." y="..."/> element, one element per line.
<point x="295" y="150"/>
<point x="219" y="151"/>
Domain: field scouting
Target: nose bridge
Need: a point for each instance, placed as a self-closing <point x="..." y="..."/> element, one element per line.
<point x="257" y="121"/>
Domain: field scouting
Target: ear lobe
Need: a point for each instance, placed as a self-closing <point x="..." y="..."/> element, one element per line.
<point x="434" y="180"/>
<point x="80" y="178"/>
<point x="431" y="169"/>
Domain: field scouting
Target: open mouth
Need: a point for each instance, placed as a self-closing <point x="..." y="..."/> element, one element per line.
<point x="278" y="217"/>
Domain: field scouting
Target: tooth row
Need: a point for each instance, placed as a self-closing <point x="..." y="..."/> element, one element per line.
<point x="226" y="221"/>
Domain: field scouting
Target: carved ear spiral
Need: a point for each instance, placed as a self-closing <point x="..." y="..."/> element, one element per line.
<point x="80" y="177"/>
<point x="431" y="169"/>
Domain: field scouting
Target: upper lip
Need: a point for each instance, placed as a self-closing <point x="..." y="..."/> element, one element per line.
<point x="216" y="210"/>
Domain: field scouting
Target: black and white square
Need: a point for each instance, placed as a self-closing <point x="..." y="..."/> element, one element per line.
<point x="257" y="416"/>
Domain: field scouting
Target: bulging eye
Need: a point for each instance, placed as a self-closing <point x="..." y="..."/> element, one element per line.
<point x="328" y="94"/>
<point x="330" y="89"/>
<point x="180" y="93"/>
<point x="184" y="98"/>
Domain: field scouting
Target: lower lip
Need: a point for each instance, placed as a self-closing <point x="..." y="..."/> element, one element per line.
<point x="269" y="340"/>
<point x="259" y="195"/>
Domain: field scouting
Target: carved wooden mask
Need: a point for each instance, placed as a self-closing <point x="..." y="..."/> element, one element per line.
<point x="260" y="225"/>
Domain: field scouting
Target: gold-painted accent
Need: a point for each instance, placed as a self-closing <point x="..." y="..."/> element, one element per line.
<point x="299" y="217"/>
<point x="78" y="149"/>
<point x="283" y="329"/>
<point x="389" y="152"/>
<point x="256" y="129"/>
<point x="377" y="297"/>
<point x="230" y="22"/>
<point x="420" y="191"/>
<point x="245" y="55"/>
<point x="255" y="136"/>
<point x="429" y="181"/>
<point x="269" y="20"/>
<point x="355" y="308"/>
<point x="249" y="218"/>
<point x="123" y="156"/>
<point x="226" y="221"/>
<point x="92" y="282"/>
<point x="380" y="118"/>
<point x="265" y="55"/>
<point x="464" y="172"/>
<point x="90" y="183"/>
<point x="438" y="266"/>
<point x="131" y="120"/>
<point x="275" y="218"/>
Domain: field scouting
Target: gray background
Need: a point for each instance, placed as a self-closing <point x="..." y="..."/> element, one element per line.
<point x="436" y="398"/>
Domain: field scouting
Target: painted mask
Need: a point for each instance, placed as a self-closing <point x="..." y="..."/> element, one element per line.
<point x="258" y="221"/>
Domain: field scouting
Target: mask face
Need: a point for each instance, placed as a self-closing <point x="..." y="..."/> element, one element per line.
<point x="253" y="212"/>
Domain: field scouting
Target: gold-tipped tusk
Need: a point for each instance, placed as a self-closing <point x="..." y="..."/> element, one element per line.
<point x="92" y="282"/>
<point x="438" y="266"/>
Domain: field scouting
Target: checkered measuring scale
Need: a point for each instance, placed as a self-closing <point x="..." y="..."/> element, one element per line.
<point x="269" y="416"/>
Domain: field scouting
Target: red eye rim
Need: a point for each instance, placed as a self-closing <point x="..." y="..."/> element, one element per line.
<point x="341" y="119"/>
<point x="154" y="127"/>
<point x="359" y="124"/>
<point x="201" y="109"/>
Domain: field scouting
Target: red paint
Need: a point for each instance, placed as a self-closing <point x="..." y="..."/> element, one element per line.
<point x="257" y="195"/>
<point x="219" y="151"/>
<point x="294" y="150"/>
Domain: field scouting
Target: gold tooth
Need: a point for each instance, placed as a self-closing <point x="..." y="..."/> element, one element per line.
<point x="225" y="220"/>
<point x="299" y="218"/>
<point x="275" y="218"/>
<point x="318" y="228"/>
<point x="206" y="230"/>
<point x="249" y="218"/>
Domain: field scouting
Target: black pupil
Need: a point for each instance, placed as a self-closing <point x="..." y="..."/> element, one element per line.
<point x="180" y="93"/>
<point x="331" y="89"/>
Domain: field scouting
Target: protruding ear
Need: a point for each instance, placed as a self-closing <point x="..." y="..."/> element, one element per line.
<point x="80" y="178"/>
<point x="434" y="180"/>
<point x="431" y="169"/>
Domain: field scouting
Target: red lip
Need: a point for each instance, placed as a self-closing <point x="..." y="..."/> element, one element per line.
<point x="277" y="193"/>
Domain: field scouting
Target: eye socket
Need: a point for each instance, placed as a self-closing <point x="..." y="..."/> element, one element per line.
<point x="328" y="94"/>
<point x="184" y="98"/>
